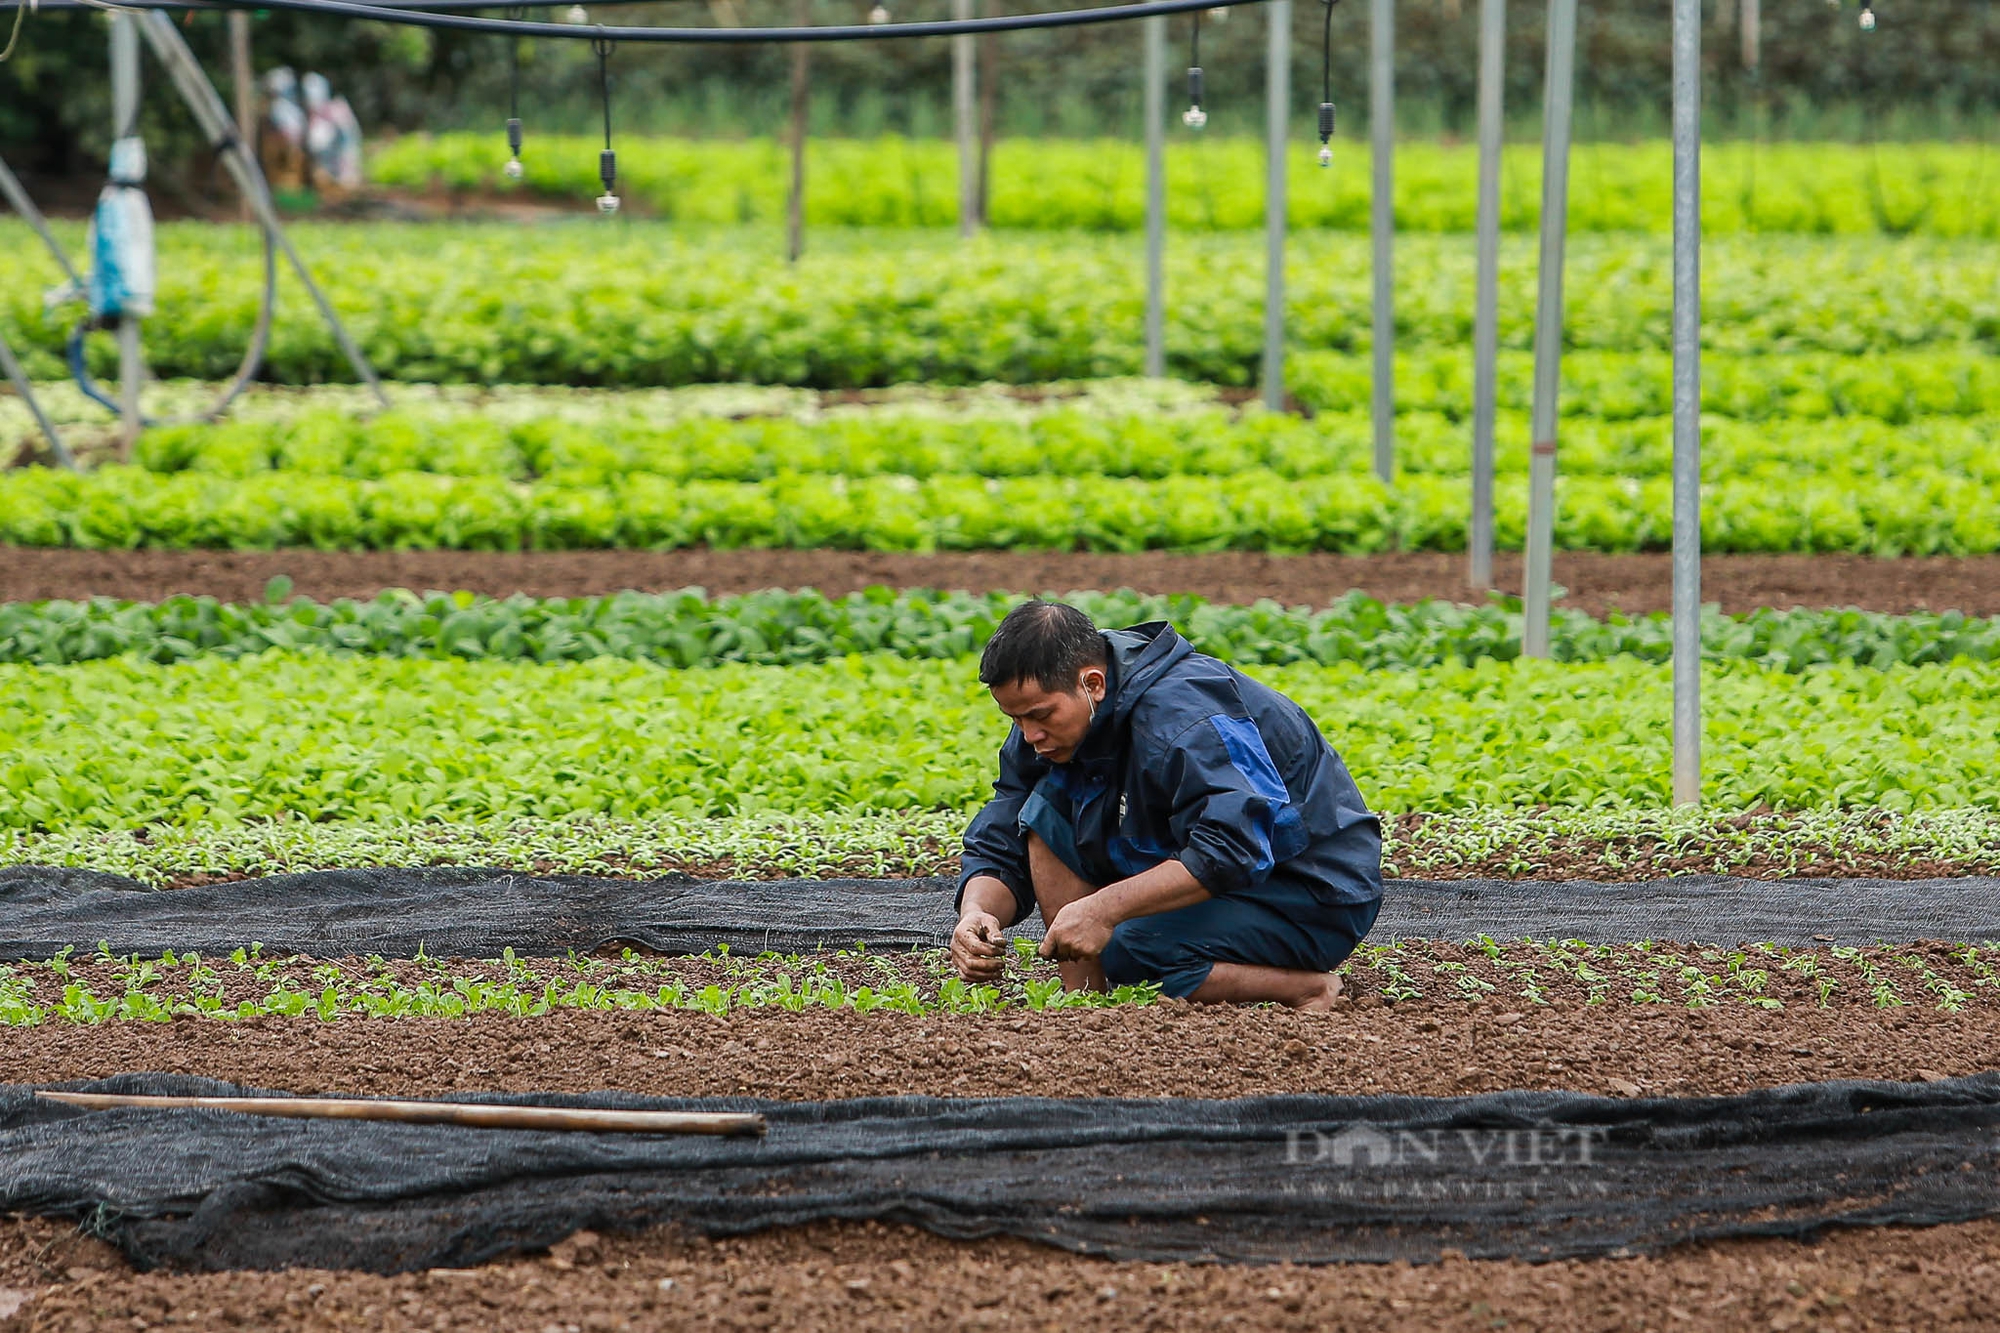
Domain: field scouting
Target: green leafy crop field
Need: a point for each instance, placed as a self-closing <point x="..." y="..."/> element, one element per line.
<point x="1889" y="455"/>
<point x="779" y="628"/>
<point x="634" y="304"/>
<point x="117" y="744"/>
<point x="1933" y="189"/>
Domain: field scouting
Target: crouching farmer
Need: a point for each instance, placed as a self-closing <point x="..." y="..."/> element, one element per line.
<point x="1173" y="820"/>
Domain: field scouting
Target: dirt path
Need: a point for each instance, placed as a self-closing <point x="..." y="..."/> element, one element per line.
<point x="1596" y="583"/>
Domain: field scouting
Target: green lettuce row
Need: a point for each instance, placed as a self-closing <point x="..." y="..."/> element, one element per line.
<point x="687" y="629"/>
<point x="120" y="743"/>
<point x="649" y="305"/>
<point x="1897" y="387"/>
<point x="1924" y="511"/>
<point x="1934" y="189"/>
<point x="600" y="441"/>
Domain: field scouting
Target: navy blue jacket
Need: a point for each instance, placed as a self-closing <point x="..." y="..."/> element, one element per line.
<point x="1188" y="758"/>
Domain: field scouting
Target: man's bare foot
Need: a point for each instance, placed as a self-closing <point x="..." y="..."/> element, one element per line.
<point x="1321" y="1000"/>
<point x="1083" y="974"/>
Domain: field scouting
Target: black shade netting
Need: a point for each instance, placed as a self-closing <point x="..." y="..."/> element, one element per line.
<point x="478" y="913"/>
<point x="1530" y="1175"/>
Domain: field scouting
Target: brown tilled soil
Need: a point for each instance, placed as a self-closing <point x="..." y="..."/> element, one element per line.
<point x="871" y="1276"/>
<point x="1596" y="583"/>
<point x="1171" y="1050"/>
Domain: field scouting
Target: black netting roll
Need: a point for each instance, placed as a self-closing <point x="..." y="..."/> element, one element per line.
<point x="1531" y="1175"/>
<point x="478" y="913"/>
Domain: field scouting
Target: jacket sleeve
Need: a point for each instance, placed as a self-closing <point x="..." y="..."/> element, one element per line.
<point x="994" y="844"/>
<point x="1232" y="816"/>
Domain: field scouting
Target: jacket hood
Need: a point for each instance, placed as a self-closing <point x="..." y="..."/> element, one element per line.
<point x="1139" y="657"/>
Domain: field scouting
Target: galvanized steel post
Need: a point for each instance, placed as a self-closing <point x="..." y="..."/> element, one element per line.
<point x="795" y="194"/>
<point x="124" y="122"/>
<point x="1277" y="103"/>
<point x="1556" y="80"/>
<point x="1486" y="298"/>
<point x="1382" y="227"/>
<point x="964" y="113"/>
<point x="1155" y="104"/>
<point x="1687" y="400"/>
<point x="243" y="84"/>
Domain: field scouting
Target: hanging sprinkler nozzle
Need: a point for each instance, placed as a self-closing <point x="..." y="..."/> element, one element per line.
<point x="607" y="171"/>
<point x="1194" y="117"/>
<point x="607" y="161"/>
<point x="1326" y="87"/>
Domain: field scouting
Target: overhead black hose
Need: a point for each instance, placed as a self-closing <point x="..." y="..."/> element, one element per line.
<point x="1326" y="53"/>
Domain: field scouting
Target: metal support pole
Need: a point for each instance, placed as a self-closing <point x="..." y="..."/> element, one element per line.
<point x="1486" y="297"/>
<point x="1155" y="102"/>
<point x="244" y="84"/>
<point x="1556" y="80"/>
<point x="989" y="106"/>
<point x="124" y="123"/>
<point x="1753" y="35"/>
<point x="964" y="112"/>
<point x="795" y="200"/>
<point x="26" y="390"/>
<point x="1382" y="226"/>
<point x="1277" y="102"/>
<point x="18" y="200"/>
<point x="1687" y="399"/>
<point x="206" y="104"/>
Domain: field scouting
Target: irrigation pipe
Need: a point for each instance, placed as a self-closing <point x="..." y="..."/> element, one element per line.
<point x="851" y="32"/>
<point x="246" y="370"/>
<point x="470" y="1114"/>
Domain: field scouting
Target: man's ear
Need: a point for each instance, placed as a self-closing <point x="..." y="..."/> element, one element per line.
<point x="1093" y="682"/>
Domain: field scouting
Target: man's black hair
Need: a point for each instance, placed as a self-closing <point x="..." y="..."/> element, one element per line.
<point x="1046" y="642"/>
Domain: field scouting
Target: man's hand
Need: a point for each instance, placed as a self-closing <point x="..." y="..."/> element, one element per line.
<point x="978" y="948"/>
<point x="1080" y="931"/>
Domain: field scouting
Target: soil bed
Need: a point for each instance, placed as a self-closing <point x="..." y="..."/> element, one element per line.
<point x="1437" y="1042"/>
<point x="1601" y="860"/>
<point x="1596" y="583"/>
<point x="868" y="1275"/>
<point x="874" y="1276"/>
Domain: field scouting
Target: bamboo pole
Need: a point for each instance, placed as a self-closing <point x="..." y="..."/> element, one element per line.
<point x="471" y="1114"/>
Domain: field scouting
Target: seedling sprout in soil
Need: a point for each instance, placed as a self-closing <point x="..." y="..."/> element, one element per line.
<point x="1484" y="973"/>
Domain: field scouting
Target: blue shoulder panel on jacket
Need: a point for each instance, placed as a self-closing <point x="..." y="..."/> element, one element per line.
<point x="1245" y="745"/>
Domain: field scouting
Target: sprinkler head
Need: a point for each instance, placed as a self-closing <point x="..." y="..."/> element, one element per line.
<point x="879" y="14"/>
<point x="577" y="14"/>
<point x="1867" y="19"/>
<point x="607" y="204"/>
<point x="1325" y="155"/>
<point x="513" y="169"/>
<point x="1194" y="118"/>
